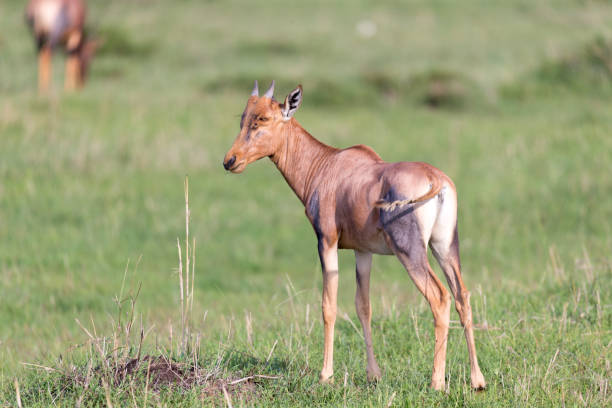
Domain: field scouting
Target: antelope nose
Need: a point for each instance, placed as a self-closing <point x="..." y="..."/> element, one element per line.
<point x="228" y="164"/>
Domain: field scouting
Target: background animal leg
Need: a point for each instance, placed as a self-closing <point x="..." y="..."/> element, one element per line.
<point x="71" y="81"/>
<point x="73" y="78"/>
<point x="44" y="68"/>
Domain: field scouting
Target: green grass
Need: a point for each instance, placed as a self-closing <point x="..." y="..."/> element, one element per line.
<point x="93" y="180"/>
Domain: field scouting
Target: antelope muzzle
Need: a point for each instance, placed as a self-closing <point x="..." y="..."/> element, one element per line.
<point x="228" y="163"/>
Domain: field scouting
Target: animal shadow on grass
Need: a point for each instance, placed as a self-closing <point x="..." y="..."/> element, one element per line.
<point x="247" y="364"/>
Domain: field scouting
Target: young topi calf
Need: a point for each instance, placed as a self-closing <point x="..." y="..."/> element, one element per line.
<point x="355" y="200"/>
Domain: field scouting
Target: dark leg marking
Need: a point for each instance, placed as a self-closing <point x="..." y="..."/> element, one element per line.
<point x="313" y="212"/>
<point x="454" y="246"/>
<point x="41" y="41"/>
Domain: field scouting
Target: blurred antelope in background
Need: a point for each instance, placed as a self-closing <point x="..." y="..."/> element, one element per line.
<point x="60" y="22"/>
<point x="355" y="200"/>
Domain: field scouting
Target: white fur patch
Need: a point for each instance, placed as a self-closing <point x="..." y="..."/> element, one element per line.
<point x="46" y="15"/>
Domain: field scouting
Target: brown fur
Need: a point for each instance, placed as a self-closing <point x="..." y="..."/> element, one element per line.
<point x="355" y="200"/>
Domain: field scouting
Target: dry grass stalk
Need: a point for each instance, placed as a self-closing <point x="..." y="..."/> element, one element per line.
<point x="249" y="327"/>
<point x="193" y="254"/>
<point x="17" y="393"/>
<point x="391" y="399"/>
<point x="556" y="264"/>
<point x="186" y="282"/>
<point x="271" y="351"/>
<point x="346" y="317"/>
<point x="178" y="244"/>
<point x="109" y="403"/>
<point x="147" y="383"/>
<point x="227" y="397"/>
<point x="42" y="367"/>
<point x="251" y="377"/>
<point x="186" y="188"/>
<point x="550" y="364"/>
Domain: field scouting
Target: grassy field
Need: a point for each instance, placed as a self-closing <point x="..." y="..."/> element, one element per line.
<point x="511" y="100"/>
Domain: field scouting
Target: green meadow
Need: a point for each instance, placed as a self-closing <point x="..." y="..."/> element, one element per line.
<point x="513" y="100"/>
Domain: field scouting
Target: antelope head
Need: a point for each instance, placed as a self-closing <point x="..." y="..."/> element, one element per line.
<point x="262" y="127"/>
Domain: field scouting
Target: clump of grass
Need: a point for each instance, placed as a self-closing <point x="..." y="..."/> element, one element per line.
<point x="117" y="42"/>
<point x="587" y="69"/>
<point x="326" y="92"/>
<point x="442" y="89"/>
<point x="239" y="83"/>
<point x="589" y="66"/>
<point x="435" y="89"/>
<point x="383" y="83"/>
<point x="268" y="47"/>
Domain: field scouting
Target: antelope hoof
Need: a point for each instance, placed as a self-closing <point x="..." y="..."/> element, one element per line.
<point x="326" y="378"/>
<point x="374" y="374"/>
<point x="478" y="381"/>
<point x="437" y="384"/>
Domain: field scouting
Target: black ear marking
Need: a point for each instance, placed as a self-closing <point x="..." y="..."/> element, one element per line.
<point x="292" y="102"/>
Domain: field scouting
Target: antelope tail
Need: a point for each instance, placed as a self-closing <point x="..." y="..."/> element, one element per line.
<point x="435" y="187"/>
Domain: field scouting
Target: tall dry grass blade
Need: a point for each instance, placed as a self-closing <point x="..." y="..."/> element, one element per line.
<point x="86" y="383"/>
<point x="391" y="399"/>
<point x="588" y="265"/>
<point x="109" y="403"/>
<point x="555" y="262"/>
<point x="346" y="317"/>
<point x="193" y="259"/>
<point x="17" y="394"/>
<point x="416" y="325"/>
<point x="249" y="327"/>
<point x="227" y="397"/>
<point x="187" y="269"/>
<point x="271" y="351"/>
<point x="187" y="228"/>
<point x="181" y="291"/>
<point x="141" y="340"/>
<point x="147" y="384"/>
<point x="119" y="300"/>
<point x="550" y="364"/>
<point x="41" y="367"/>
<point x="250" y="377"/>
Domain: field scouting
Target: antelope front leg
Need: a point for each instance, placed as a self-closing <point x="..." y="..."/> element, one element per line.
<point x="329" y="264"/>
<point x="363" y="263"/>
<point x="73" y="62"/>
<point x="44" y="68"/>
<point x="72" y="80"/>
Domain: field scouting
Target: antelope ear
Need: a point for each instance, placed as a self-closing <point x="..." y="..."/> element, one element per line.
<point x="292" y="103"/>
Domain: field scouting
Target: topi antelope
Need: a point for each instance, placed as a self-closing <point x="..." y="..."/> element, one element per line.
<point x="355" y="200"/>
<point x="60" y="22"/>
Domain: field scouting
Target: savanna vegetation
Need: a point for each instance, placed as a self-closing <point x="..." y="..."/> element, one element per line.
<point x="511" y="99"/>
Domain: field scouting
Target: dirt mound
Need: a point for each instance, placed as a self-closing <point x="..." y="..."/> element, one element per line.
<point x="160" y="372"/>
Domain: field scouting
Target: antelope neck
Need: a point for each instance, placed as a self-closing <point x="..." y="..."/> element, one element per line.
<point x="300" y="158"/>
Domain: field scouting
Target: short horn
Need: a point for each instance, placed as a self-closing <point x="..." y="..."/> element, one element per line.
<point x="270" y="91"/>
<point x="255" y="89"/>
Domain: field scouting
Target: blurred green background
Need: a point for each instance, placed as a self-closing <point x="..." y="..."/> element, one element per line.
<point x="511" y="99"/>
